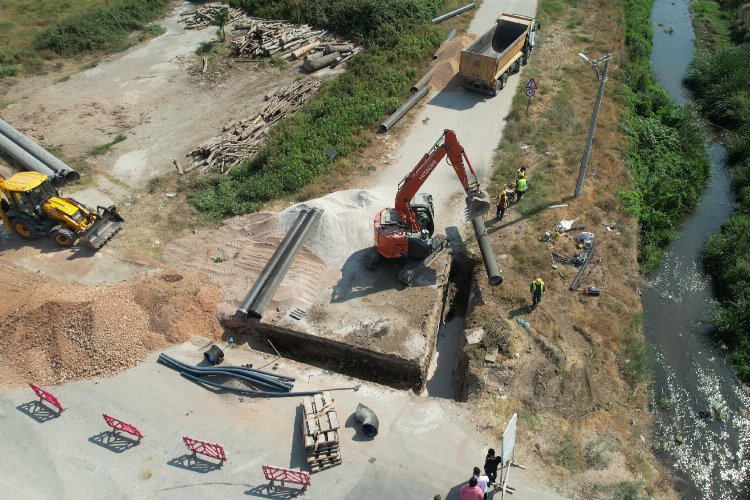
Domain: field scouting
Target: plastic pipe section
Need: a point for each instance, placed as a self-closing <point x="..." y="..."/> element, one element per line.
<point x="260" y="282"/>
<point x="368" y="419"/>
<point x="24" y="158"/>
<point x="453" y="13"/>
<point x="488" y="255"/>
<point x="265" y="296"/>
<point x="400" y="112"/>
<point x="63" y="171"/>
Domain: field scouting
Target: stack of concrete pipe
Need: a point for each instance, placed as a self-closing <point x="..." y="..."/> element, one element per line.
<point x="273" y="273"/>
<point x="33" y="157"/>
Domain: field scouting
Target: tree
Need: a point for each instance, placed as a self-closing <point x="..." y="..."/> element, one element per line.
<point x="221" y="19"/>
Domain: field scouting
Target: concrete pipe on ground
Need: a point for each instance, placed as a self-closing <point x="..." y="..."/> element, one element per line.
<point x="48" y="159"/>
<point x="422" y="81"/>
<point x="453" y="13"/>
<point x="400" y="112"/>
<point x="26" y="159"/>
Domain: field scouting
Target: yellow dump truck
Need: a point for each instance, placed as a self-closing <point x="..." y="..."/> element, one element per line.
<point x="500" y="52"/>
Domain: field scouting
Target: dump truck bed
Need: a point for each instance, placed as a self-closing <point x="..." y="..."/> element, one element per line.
<point x="491" y="54"/>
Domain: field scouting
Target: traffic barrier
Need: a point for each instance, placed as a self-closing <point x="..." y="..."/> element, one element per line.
<point x="283" y="475"/>
<point x="212" y="450"/>
<point x="46" y="396"/>
<point x="119" y="425"/>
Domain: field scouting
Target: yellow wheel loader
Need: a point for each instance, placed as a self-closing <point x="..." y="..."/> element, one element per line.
<point x="32" y="207"/>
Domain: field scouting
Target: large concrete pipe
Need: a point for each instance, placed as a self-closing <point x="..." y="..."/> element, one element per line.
<point x="422" y="81"/>
<point x="488" y="255"/>
<point x="269" y="289"/>
<point x="400" y="112"/>
<point x="448" y="38"/>
<point x="262" y="278"/>
<point x="453" y="13"/>
<point x="38" y="152"/>
<point x="26" y="160"/>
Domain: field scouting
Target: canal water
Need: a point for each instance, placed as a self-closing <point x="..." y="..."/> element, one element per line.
<point x="701" y="426"/>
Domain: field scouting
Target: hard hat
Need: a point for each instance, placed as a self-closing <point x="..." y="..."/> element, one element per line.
<point x="539" y="280"/>
<point x="503" y="193"/>
<point x="523" y="174"/>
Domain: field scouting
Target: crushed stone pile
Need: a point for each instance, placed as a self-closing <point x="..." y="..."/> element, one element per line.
<point x="65" y="332"/>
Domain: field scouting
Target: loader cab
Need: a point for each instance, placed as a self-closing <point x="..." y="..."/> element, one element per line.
<point x="27" y="192"/>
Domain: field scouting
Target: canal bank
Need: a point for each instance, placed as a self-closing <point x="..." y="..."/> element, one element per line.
<point x="699" y="406"/>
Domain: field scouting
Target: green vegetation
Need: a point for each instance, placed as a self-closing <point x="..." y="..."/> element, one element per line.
<point x="104" y="148"/>
<point x="220" y="20"/>
<point x="101" y="28"/>
<point x="397" y="36"/>
<point x="666" y="144"/>
<point x="635" y="356"/>
<point x="30" y="30"/>
<point x="720" y="80"/>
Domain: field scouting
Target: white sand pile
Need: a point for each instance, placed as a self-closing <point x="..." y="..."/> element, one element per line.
<point x="345" y="225"/>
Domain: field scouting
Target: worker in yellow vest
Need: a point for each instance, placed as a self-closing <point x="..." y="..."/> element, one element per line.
<point x="537" y="289"/>
<point x="521" y="185"/>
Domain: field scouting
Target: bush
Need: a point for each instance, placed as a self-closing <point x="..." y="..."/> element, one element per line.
<point x="103" y="28"/>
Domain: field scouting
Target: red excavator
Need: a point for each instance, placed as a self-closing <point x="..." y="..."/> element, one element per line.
<point x="405" y="232"/>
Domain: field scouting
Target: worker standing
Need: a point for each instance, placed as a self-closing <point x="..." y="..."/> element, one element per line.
<point x="502" y="204"/>
<point x="537" y="289"/>
<point x="521" y="185"/>
<point x="520" y="172"/>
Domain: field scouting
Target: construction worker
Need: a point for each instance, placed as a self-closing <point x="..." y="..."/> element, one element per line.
<point x="502" y="204"/>
<point x="520" y="172"/>
<point x="521" y="185"/>
<point x="537" y="289"/>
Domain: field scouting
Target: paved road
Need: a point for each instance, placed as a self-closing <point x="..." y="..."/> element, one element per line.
<point x="425" y="445"/>
<point x="476" y="118"/>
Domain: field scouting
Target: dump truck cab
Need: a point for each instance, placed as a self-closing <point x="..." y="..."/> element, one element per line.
<point x="32" y="207"/>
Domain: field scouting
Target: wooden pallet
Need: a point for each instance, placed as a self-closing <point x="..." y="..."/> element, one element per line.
<point x="320" y="426"/>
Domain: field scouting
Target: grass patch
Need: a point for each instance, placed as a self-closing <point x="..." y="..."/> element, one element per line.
<point x="104" y="148"/>
<point x="62" y="79"/>
<point x="634" y="357"/>
<point x="154" y="183"/>
<point x="569" y="454"/>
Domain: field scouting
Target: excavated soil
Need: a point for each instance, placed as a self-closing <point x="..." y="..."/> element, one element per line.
<point x="54" y="332"/>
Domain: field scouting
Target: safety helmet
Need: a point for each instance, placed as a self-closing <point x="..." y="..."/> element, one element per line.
<point x="539" y="281"/>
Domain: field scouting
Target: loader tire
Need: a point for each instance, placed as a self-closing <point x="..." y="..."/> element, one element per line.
<point x="22" y="229"/>
<point x="63" y="237"/>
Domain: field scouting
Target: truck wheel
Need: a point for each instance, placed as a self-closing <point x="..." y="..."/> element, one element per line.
<point x="502" y="81"/>
<point x="63" y="237"/>
<point x="516" y="66"/>
<point x="22" y="229"/>
<point x="525" y="57"/>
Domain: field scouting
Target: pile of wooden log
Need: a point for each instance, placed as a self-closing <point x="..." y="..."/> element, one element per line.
<point x="203" y="16"/>
<point x="262" y="38"/>
<point x="242" y="139"/>
<point x="320" y="426"/>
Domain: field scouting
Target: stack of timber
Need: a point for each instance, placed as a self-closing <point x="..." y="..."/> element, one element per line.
<point x="320" y="430"/>
<point x="257" y="38"/>
<point x="242" y="139"/>
<point x="204" y="16"/>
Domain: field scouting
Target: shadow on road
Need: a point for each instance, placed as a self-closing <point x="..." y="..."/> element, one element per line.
<point x="195" y="464"/>
<point x="264" y="491"/>
<point x="37" y="411"/>
<point x="453" y="96"/>
<point x="358" y="281"/>
<point x="114" y="442"/>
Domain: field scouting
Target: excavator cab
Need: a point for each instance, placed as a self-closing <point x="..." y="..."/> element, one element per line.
<point x="32" y="207"/>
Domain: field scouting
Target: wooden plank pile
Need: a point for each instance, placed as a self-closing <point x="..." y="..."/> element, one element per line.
<point x="242" y="139"/>
<point x="320" y="426"/>
<point x="203" y="16"/>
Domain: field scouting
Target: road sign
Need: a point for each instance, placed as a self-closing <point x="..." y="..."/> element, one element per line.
<point x="530" y="92"/>
<point x="531" y="85"/>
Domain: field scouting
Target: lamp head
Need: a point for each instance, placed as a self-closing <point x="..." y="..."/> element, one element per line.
<point x="583" y="56"/>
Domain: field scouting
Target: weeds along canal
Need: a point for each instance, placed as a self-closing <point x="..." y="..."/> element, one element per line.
<point x="702" y="430"/>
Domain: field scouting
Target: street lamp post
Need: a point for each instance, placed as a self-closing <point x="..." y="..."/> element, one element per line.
<point x="601" y="75"/>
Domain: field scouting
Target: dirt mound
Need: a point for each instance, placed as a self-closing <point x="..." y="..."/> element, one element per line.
<point x="64" y="332"/>
<point x="446" y="65"/>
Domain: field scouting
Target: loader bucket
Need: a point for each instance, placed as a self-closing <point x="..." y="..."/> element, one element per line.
<point x="107" y="223"/>
<point x="477" y="205"/>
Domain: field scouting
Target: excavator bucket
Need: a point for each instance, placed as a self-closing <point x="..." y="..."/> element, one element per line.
<point x="108" y="222"/>
<point x="477" y="205"/>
